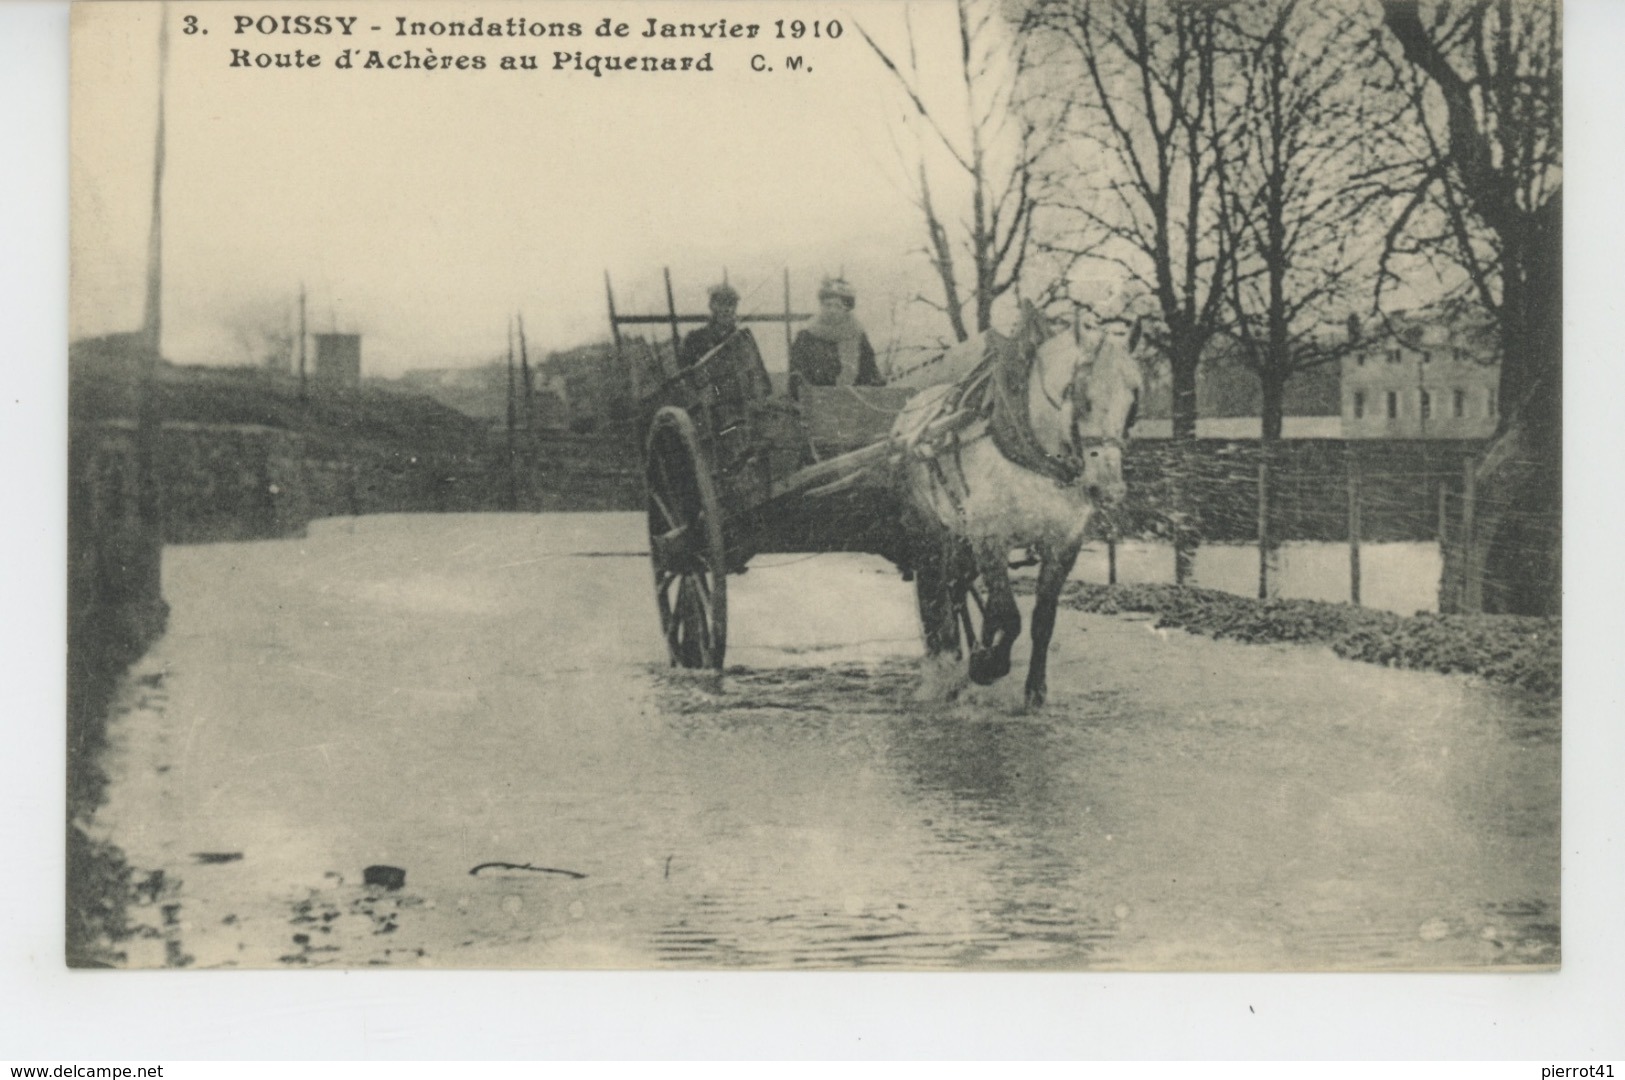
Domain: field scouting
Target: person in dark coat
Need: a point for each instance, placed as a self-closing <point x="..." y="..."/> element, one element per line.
<point x="736" y="376"/>
<point x="833" y="349"/>
<point x="724" y="300"/>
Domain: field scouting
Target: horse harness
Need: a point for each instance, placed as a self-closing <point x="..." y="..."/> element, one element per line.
<point x="995" y="392"/>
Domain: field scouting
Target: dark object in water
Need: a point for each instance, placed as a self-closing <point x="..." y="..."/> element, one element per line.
<point x="390" y="877"/>
<point x="208" y="858"/>
<point x="524" y="866"/>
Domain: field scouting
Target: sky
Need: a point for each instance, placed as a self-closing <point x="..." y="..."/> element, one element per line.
<point x="422" y="208"/>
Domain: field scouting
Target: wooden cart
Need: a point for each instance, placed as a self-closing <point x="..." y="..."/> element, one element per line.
<point x="736" y="467"/>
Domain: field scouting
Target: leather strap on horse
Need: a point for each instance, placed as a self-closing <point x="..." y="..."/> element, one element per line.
<point x="996" y="389"/>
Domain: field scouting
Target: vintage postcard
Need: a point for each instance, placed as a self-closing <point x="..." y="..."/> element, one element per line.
<point x="785" y="485"/>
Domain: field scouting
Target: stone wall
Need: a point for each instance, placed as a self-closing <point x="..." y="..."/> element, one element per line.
<point x="246" y="482"/>
<point x="115" y="602"/>
<point x="116" y="610"/>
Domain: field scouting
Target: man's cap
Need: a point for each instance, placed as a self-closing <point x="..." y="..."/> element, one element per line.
<point x="837" y="288"/>
<point x="723" y="291"/>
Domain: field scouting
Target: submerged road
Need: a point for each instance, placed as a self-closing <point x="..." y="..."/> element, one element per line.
<point x="483" y="702"/>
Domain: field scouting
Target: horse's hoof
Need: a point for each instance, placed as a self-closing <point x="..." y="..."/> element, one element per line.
<point x="987" y="667"/>
<point x="1036" y="696"/>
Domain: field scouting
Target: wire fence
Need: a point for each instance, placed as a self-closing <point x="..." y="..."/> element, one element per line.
<point x="1351" y="492"/>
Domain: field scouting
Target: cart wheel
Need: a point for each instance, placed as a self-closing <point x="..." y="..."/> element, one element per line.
<point x="685" y="543"/>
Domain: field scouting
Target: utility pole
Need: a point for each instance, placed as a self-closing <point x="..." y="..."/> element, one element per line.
<point x="302" y="390"/>
<point x="147" y="572"/>
<point x="527" y="381"/>
<point x="152" y="320"/>
<point x="513" y="475"/>
<point x="789" y="340"/>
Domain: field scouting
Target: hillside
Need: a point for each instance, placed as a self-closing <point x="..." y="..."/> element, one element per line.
<point x="333" y="420"/>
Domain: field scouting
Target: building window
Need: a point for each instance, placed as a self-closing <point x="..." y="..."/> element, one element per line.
<point x="1393" y="405"/>
<point x="1426" y="402"/>
<point x="1458" y="403"/>
<point x="1393" y="356"/>
<point x="1359" y="361"/>
<point x="1359" y="404"/>
<point x="1492" y="403"/>
<point x="1427" y="357"/>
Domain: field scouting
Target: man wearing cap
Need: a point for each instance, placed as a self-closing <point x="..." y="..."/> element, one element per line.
<point x="833" y="349"/>
<point x="724" y="321"/>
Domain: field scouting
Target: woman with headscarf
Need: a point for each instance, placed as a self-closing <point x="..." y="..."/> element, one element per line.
<point x="833" y="349"/>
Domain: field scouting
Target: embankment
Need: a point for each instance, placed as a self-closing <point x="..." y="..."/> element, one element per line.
<point x="1515" y="650"/>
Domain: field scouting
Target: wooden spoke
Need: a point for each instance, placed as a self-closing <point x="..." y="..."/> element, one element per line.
<point x="660" y="504"/>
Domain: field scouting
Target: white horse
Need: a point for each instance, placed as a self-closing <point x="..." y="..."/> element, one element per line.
<point x="1019" y="454"/>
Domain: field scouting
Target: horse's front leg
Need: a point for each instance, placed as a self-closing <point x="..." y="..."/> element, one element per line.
<point x="1052" y="575"/>
<point x="1001" y="624"/>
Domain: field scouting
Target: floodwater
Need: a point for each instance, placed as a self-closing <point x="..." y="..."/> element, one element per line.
<point x="483" y="702"/>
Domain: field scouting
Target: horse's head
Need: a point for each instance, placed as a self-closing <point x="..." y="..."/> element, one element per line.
<point x="1085" y="394"/>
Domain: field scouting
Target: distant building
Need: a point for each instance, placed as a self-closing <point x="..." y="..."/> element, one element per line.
<point x="338" y="359"/>
<point x="1428" y="379"/>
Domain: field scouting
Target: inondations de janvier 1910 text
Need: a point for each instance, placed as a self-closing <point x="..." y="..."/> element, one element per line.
<point x="640" y="44"/>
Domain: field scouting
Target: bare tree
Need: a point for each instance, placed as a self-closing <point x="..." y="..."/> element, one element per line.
<point x="988" y="141"/>
<point x="1294" y="221"/>
<point x="1484" y="192"/>
<point x="1150" y="145"/>
<point x="1150" y="140"/>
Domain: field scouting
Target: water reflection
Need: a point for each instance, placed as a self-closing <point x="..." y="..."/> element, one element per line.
<point x="1008" y="794"/>
<point x="846" y="826"/>
<point x="888" y="835"/>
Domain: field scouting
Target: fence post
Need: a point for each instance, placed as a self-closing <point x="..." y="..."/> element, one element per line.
<point x="1111" y="557"/>
<point x="1264" y="520"/>
<point x="1184" y="557"/>
<point x="671" y="308"/>
<point x="1472" y="590"/>
<point x="1354" y="480"/>
<point x="1450" y="595"/>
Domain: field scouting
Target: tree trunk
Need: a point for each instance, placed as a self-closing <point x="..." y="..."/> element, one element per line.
<point x="1515" y="551"/>
<point x="1183" y="372"/>
<point x="1517" y="543"/>
<point x="1182" y="362"/>
<point x="1272" y="389"/>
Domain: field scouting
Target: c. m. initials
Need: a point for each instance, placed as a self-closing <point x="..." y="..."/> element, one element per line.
<point x="759" y="62"/>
